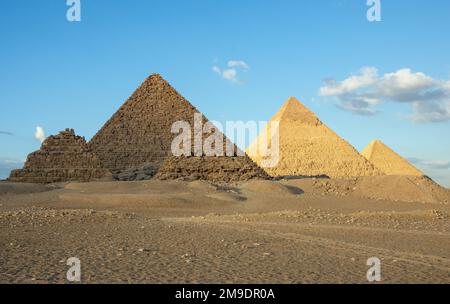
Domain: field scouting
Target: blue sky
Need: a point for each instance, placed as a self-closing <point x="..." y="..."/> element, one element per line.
<point x="57" y="74"/>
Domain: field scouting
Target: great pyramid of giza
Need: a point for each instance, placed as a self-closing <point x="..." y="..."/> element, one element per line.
<point x="63" y="157"/>
<point x="139" y="133"/>
<point x="307" y="147"/>
<point x="388" y="161"/>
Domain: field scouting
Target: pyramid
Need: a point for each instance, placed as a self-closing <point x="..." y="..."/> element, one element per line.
<point x="307" y="147"/>
<point x="63" y="157"/>
<point x="139" y="134"/>
<point x="387" y="161"/>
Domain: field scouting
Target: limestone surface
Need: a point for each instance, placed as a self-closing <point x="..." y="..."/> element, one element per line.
<point x="388" y="161"/>
<point x="307" y="147"/>
<point x="140" y="131"/>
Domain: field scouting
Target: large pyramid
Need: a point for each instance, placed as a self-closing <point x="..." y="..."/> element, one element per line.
<point x="307" y="147"/>
<point x="63" y="157"/>
<point x="139" y="134"/>
<point x="387" y="161"/>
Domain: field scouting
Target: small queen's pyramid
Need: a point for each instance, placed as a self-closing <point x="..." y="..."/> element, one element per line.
<point x="388" y="161"/>
<point x="307" y="147"/>
<point x="62" y="157"/>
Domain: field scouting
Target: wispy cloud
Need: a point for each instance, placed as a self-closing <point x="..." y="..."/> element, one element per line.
<point x="231" y="72"/>
<point x="39" y="134"/>
<point x="431" y="164"/>
<point x="361" y="93"/>
<point x="6" y="165"/>
<point x="10" y="162"/>
<point x="438" y="170"/>
<point x="238" y="64"/>
<point x="6" y="133"/>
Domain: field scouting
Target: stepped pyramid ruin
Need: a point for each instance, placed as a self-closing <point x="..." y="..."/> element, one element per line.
<point x="139" y="134"/>
<point x="310" y="148"/>
<point x="387" y="161"/>
<point x="62" y="157"/>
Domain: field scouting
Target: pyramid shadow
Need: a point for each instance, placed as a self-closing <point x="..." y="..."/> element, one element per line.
<point x="227" y="188"/>
<point x="294" y="190"/>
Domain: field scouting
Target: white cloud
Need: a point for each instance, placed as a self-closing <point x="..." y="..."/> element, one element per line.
<point x="431" y="164"/>
<point x="238" y="64"/>
<point x="231" y="73"/>
<point x="438" y="170"/>
<point x="430" y="111"/>
<point x="39" y="134"/>
<point x="10" y="162"/>
<point x="228" y="74"/>
<point x="368" y="76"/>
<point x="438" y="164"/>
<point x="6" y="165"/>
<point x="404" y="82"/>
<point x="358" y="105"/>
<point x="217" y="70"/>
<point x="360" y="94"/>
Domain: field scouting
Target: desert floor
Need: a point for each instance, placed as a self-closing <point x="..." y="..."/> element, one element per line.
<point x="289" y="231"/>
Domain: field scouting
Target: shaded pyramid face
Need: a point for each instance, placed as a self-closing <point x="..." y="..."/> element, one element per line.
<point x="140" y="133"/>
<point x="307" y="147"/>
<point x="63" y="157"/>
<point x="387" y="161"/>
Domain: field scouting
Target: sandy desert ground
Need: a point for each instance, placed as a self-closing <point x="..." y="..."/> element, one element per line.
<point x="286" y="231"/>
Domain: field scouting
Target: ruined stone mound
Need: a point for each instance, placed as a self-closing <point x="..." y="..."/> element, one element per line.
<point x="137" y="173"/>
<point x="387" y="161"/>
<point x="62" y="157"/>
<point x="137" y="139"/>
<point x="310" y="148"/>
<point x="215" y="169"/>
